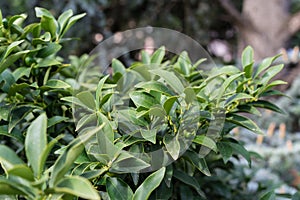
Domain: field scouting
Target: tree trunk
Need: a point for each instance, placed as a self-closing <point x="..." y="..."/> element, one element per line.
<point x="265" y="28"/>
<point x="266" y="25"/>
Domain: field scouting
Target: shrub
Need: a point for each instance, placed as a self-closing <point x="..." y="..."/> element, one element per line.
<point x="162" y="117"/>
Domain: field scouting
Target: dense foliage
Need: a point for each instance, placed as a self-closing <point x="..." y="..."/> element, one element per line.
<point x="167" y="119"/>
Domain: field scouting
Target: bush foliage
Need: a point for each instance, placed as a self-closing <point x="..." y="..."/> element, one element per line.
<point x="155" y="104"/>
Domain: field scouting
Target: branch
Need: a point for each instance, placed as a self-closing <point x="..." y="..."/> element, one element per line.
<point x="294" y="23"/>
<point x="233" y="12"/>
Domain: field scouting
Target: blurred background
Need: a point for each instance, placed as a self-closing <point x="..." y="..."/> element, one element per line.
<point x="223" y="28"/>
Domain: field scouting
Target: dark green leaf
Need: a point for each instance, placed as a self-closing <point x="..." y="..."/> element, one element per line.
<point x="118" y="189"/>
<point x="267" y="105"/>
<point x="188" y="180"/>
<point x="244" y="122"/>
<point x="150" y="183"/>
<point x="225" y="150"/>
<point x="50" y="49"/>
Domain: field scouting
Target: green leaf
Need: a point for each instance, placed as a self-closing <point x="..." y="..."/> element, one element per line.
<point x="240" y="149"/>
<point x="18" y="114"/>
<point x="8" y="158"/>
<point x="225" y="150"/>
<point x="77" y="186"/>
<point x="49" y="24"/>
<point x="56" y="120"/>
<point x="21" y="170"/>
<point x="265" y="64"/>
<point x="188" y="180"/>
<point x="56" y="84"/>
<point x="169" y="103"/>
<point x="158" y="55"/>
<point x="150" y="183"/>
<point x="4" y="64"/>
<point x="117" y="66"/>
<point x="10" y="48"/>
<point x="8" y="187"/>
<point x="118" y="189"/>
<point x="270" y="73"/>
<point x="125" y="162"/>
<point x="184" y="63"/>
<point x="248" y="109"/>
<point x="20" y="72"/>
<point x="145" y="58"/>
<point x="50" y="49"/>
<point x="99" y="91"/>
<point x="270" y="195"/>
<point x="205" y="141"/>
<point x="243" y="122"/>
<point x="171" y="79"/>
<point x="63" y="20"/>
<point x="226" y="84"/>
<point x="172" y="145"/>
<point x="71" y="22"/>
<point x="197" y="161"/>
<point x="66" y="159"/>
<point x="107" y="129"/>
<point x="155" y="86"/>
<point x="149" y="135"/>
<point x="49" y="61"/>
<point x="35" y="143"/>
<point x="237" y="98"/>
<point x="87" y="98"/>
<point x="267" y="105"/>
<point x="39" y="12"/>
<point x="247" y="56"/>
<point x="248" y="70"/>
<point x="143" y="99"/>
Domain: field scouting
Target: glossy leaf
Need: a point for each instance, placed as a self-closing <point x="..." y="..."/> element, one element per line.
<point x="172" y="145"/>
<point x="171" y="79"/>
<point x="145" y="57"/>
<point x="117" y="66"/>
<point x="118" y="189"/>
<point x="35" y="143"/>
<point x="158" y="55"/>
<point x="243" y="122"/>
<point x="247" y="56"/>
<point x="205" y="141"/>
<point x="56" y="84"/>
<point x="155" y="86"/>
<point x="143" y="99"/>
<point x="77" y="186"/>
<point x="265" y="64"/>
<point x="266" y="105"/>
<point x="149" y="184"/>
<point x="8" y="158"/>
